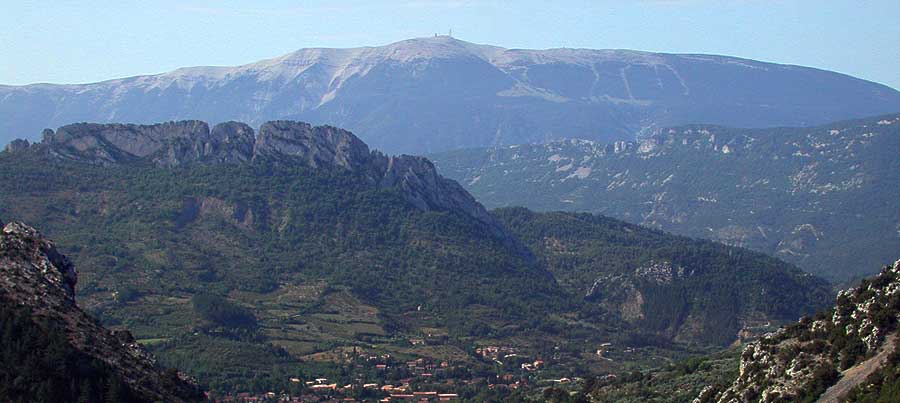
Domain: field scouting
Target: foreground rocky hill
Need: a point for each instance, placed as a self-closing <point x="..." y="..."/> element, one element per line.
<point x="437" y="94"/>
<point x="823" y="198"/>
<point x="847" y="353"/>
<point x="249" y="259"/>
<point x="52" y="350"/>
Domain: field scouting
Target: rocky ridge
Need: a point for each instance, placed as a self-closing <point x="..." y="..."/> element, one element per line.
<point x="801" y="361"/>
<point x="37" y="276"/>
<point x="173" y="144"/>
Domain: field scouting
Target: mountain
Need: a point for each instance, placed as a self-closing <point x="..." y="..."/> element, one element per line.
<point x="436" y="94"/>
<point x="684" y="289"/>
<point x="251" y="257"/>
<point x="52" y="350"/>
<point x="847" y="354"/>
<point x="823" y="197"/>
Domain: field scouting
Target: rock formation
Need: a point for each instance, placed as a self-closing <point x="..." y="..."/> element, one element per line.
<point x="319" y="147"/>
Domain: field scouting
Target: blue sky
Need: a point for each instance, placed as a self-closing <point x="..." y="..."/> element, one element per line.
<point x="86" y="41"/>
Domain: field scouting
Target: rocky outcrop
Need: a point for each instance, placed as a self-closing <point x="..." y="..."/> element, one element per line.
<point x="164" y="144"/>
<point x="425" y="188"/>
<point x="47" y="264"/>
<point x="318" y="147"/>
<point x="17" y="145"/>
<point x="34" y="274"/>
<point x="801" y="361"/>
<point x="230" y="142"/>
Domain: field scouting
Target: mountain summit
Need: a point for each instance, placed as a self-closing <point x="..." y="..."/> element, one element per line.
<point x="440" y="93"/>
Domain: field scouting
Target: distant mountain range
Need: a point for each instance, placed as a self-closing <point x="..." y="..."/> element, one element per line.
<point x="824" y="198"/>
<point x="437" y="94"/>
<point x="241" y="252"/>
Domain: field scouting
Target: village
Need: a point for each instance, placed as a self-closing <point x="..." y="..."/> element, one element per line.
<point x="384" y="378"/>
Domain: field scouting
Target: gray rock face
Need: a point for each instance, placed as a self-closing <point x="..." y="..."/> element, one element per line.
<point x="232" y="142"/>
<point x="111" y="143"/>
<point x="319" y="147"/>
<point x="436" y="94"/>
<point x="428" y="190"/>
<point x="47" y="263"/>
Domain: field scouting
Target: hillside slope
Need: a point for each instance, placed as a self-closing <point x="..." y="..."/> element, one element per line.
<point x="313" y="245"/>
<point x="688" y="290"/>
<point x="436" y="94"/>
<point x="829" y="357"/>
<point x="52" y="350"/>
<point x="823" y="198"/>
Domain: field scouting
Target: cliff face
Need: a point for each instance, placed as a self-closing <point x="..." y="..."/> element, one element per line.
<point x="37" y="277"/>
<point x="831" y="353"/>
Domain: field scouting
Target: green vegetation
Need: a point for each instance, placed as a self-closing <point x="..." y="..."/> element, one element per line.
<point x="699" y="291"/>
<point x="248" y="275"/>
<point x="317" y="259"/>
<point x="679" y="382"/>
<point x="39" y="365"/>
<point x="823" y="198"/>
<point x="221" y="311"/>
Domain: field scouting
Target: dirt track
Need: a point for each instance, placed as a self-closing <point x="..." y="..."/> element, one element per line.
<point x="858" y="373"/>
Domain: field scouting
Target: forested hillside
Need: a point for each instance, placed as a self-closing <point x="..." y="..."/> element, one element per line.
<point x="236" y="256"/>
